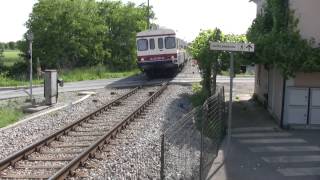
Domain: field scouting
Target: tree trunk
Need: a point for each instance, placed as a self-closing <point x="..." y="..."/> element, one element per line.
<point x="207" y="80"/>
<point x="214" y="78"/>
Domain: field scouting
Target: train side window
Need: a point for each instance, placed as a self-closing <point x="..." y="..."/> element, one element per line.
<point x="170" y="42"/>
<point x="160" y="43"/>
<point x="152" y="44"/>
<point x="142" y="44"/>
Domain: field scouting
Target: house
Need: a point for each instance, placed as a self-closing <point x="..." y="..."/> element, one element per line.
<point x="293" y="102"/>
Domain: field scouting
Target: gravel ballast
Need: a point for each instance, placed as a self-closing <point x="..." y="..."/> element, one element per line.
<point x="136" y="151"/>
<point x="28" y="132"/>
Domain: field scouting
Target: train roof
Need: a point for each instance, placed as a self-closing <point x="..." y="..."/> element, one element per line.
<point x="156" y="32"/>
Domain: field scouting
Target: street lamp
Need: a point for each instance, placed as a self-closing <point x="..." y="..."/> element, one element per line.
<point x="30" y="39"/>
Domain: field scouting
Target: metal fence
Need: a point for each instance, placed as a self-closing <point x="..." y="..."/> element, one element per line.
<point x="189" y="146"/>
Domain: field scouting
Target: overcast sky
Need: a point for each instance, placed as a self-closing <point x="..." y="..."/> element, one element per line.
<point x="187" y="17"/>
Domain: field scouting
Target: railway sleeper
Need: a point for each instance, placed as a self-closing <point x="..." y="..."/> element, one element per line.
<point x="37" y="167"/>
<point x="25" y="176"/>
<point x="62" y="152"/>
<point x="70" y="145"/>
<point x="50" y="158"/>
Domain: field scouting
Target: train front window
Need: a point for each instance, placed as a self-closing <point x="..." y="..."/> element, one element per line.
<point x="160" y="43"/>
<point x="142" y="44"/>
<point x="152" y="45"/>
<point x="170" y="42"/>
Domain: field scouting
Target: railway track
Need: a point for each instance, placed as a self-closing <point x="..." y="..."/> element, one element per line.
<point x="60" y="154"/>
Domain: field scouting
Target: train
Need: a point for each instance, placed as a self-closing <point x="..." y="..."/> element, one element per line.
<point x="159" y="51"/>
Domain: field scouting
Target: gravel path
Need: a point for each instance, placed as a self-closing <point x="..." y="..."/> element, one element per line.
<point x="26" y="133"/>
<point x="136" y="151"/>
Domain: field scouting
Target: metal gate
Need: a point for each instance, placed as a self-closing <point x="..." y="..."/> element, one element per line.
<point x="302" y="106"/>
<point x="314" y="111"/>
<point x="297" y="105"/>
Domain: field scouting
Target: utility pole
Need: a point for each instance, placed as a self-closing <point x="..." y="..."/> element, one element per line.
<point x="148" y="16"/>
<point x="30" y="39"/>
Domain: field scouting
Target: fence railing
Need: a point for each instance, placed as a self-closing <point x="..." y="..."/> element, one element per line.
<point x="189" y="146"/>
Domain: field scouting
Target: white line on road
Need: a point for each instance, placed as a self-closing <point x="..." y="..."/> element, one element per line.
<point x="311" y="171"/>
<point x="250" y="129"/>
<point x="275" y="140"/>
<point x="292" y="159"/>
<point x="267" y="134"/>
<point x="286" y="149"/>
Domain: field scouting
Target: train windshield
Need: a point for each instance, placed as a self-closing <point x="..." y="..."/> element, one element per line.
<point x="142" y="44"/>
<point x="170" y="42"/>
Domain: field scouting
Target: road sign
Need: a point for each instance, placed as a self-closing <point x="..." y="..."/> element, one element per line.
<point x="234" y="47"/>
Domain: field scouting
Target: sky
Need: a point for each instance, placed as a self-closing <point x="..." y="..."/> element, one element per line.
<point x="186" y="17"/>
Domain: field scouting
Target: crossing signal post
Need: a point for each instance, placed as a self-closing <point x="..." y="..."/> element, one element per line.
<point x="231" y="48"/>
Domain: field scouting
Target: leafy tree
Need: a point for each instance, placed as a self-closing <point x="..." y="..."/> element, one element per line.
<point x="240" y="58"/>
<point x="123" y="22"/>
<point x="1" y="54"/>
<point x="2" y="45"/>
<point x="278" y="42"/>
<point x="12" y="45"/>
<point x="207" y="59"/>
<point x="69" y="33"/>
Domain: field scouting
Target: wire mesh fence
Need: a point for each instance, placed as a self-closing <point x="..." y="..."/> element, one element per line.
<point x="189" y="146"/>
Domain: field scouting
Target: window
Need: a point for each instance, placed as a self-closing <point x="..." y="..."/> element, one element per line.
<point x="170" y="42"/>
<point x="160" y="43"/>
<point x="142" y="44"/>
<point x="152" y="44"/>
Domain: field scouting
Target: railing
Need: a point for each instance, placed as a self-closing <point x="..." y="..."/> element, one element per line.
<point x="189" y="146"/>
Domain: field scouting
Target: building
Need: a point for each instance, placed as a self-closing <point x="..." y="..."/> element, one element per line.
<point x="296" y="101"/>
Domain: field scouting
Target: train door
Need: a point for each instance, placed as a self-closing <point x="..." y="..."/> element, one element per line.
<point x="160" y="44"/>
<point x="152" y="46"/>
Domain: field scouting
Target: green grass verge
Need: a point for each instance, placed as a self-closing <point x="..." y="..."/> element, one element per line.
<point x="78" y="74"/>
<point x="199" y="95"/>
<point x="93" y="73"/>
<point x="9" y="116"/>
<point x="11" y="57"/>
<point x="226" y="73"/>
<point x="6" y="81"/>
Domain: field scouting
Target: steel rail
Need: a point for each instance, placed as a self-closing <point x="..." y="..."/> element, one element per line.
<point x="99" y="144"/>
<point x="22" y="154"/>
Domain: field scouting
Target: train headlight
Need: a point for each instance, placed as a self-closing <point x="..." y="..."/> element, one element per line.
<point x="142" y="59"/>
<point x="172" y="58"/>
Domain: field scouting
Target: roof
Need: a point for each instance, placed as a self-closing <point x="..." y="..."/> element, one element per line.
<point x="156" y="32"/>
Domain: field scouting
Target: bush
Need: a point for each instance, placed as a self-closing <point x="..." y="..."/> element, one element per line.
<point x="19" y="70"/>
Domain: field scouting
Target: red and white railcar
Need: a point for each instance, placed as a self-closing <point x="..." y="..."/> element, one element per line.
<point x="160" y="51"/>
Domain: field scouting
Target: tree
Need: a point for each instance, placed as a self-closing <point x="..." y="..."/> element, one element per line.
<point x="278" y="41"/>
<point x="12" y="45"/>
<point x="207" y="59"/>
<point x="123" y="22"/>
<point x="1" y="57"/>
<point x="69" y="33"/>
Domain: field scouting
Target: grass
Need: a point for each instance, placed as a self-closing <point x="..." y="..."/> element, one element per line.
<point x="78" y="74"/>
<point x="199" y="96"/>
<point x="6" y="81"/>
<point x="226" y="73"/>
<point x="9" y="116"/>
<point x="93" y="73"/>
<point x="11" y="57"/>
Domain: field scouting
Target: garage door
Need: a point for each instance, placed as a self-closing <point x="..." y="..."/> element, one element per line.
<point x="297" y="101"/>
<point x="314" y="112"/>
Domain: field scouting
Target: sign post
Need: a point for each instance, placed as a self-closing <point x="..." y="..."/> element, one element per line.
<point x="231" y="47"/>
<point x="30" y="39"/>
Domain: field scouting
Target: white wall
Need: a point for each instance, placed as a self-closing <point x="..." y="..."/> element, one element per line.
<point x="308" y="13"/>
